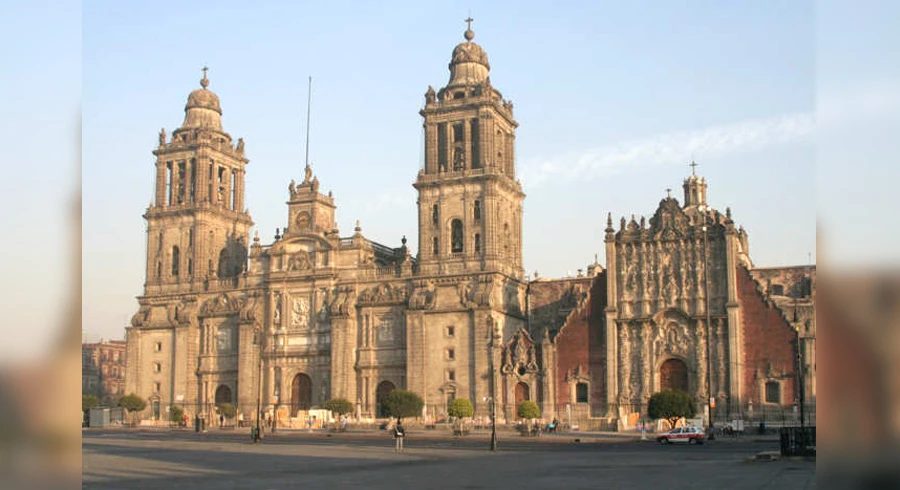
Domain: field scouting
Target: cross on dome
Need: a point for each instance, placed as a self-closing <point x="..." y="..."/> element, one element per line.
<point x="470" y="34"/>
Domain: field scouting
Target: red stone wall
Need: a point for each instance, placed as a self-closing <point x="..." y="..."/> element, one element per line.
<point x="582" y="341"/>
<point x="768" y="339"/>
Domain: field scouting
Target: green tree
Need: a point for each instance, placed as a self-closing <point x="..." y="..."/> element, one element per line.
<point x="88" y="402"/>
<point x="402" y="403"/>
<point x="226" y="409"/>
<point x="339" y="406"/>
<point x="132" y="403"/>
<point x="671" y="405"/>
<point x="176" y="414"/>
<point x="460" y="408"/>
<point x="528" y="410"/>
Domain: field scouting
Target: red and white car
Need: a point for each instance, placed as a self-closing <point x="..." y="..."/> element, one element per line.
<point x="690" y="435"/>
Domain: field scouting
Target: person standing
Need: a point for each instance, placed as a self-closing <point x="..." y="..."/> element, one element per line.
<point x="399" y="434"/>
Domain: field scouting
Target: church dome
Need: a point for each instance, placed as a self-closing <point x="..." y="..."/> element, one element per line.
<point x="469" y="65"/>
<point x="202" y="108"/>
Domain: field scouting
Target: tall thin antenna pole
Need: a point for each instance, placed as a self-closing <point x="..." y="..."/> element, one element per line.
<point x="308" y="106"/>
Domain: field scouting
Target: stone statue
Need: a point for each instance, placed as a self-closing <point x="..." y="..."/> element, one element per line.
<point x="162" y="137"/>
<point x="429" y="95"/>
<point x="308" y="174"/>
<point x="459" y="158"/>
<point x="240" y="146"/>
<point x="292" y="187"/>
<point x="315" y="185"/>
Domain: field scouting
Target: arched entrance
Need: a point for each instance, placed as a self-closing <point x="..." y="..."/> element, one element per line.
<point x="384" y="389"/>
<point x="223" y="395"/>
<point x="522" y="393"/>
<point x="673" y="375"/>
<point x="301" y="393"/>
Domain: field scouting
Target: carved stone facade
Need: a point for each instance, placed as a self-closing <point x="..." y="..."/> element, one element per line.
<point x="313" y="315"/>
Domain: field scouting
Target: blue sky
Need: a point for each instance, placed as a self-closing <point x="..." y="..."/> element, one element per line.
<point x="613" y="101"/>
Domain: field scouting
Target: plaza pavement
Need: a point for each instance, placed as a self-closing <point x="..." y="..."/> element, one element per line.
<point x="162" y="458"/>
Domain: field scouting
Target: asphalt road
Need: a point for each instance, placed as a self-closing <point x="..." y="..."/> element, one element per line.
<point x="226" y="459"/>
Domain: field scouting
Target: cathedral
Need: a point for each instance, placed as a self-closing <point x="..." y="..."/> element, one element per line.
<point x="282" y="327"/>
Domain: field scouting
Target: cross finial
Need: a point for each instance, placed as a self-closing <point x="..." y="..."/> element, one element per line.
<point x="693" y="166"/>
<point x="469" y="22"/>
<point x="204" y="82"/>
<point x="669" y="193"/>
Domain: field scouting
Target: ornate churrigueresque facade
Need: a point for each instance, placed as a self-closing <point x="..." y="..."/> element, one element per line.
<point x="314" y="315"/>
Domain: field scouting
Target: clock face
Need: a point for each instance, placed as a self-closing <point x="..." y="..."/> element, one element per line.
<point x="302" y="220"/>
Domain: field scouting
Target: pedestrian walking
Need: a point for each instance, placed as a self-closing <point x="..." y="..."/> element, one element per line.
<point x="399" y="434"/>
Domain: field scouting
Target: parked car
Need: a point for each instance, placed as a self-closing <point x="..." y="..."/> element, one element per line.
<point x="690" y="435"/>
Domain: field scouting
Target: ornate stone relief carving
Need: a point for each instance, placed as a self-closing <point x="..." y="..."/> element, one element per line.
<point x="276" y="313"/>
<point x="519" y="355"/>
<point x="222" y="304"/>
<point x="383" y="293"/>
<point x="300" y="312"/>
<point x="476" y="292"/>
<point x="140" y="318"/>
<point x="342" y="301"/>
<point x="300" y="261"/>
<point x="251" y="310"/>
<point x="423" y="296"/>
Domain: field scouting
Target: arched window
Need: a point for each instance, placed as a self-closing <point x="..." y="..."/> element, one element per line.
<point x="477" y="242"/>
<point x="477" y="213"/>
<point x="581" y="393"/>
<point x="522" y="392"/>
<point x="223" y="395"/>
<point x="456" y="236"/>
<point x="381" y="392"/>
<point x="673" y="375"/>
<point x="176" y="258"/>
<point x="773" y="392"/>
<point x="301" y="393"/>
<point x="434" y="214"/>
<point x="435" y="246"/>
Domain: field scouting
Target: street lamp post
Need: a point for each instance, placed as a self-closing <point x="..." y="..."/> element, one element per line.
<point x="493" y="396"/>
<point x="493" y="413"/>
<point x="709" y="401"/>
<point x="258" y="434"/>
<point x="277" y="394"/>
<point x="801" y="378"/>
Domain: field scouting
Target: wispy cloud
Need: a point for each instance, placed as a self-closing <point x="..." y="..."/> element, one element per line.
<point x="669" y="148"/>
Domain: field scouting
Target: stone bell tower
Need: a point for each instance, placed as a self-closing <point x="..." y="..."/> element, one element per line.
<point x="197" y="227"/>
<point x="470" y="203"/>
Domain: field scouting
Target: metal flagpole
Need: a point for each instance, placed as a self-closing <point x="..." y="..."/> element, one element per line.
<point x="308" y="109"/>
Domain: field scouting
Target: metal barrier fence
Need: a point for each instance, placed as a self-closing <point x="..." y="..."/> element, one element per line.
<point x="798" y="441"/>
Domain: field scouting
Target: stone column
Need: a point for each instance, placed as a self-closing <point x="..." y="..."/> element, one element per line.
<point x="431" y="148"/>
<point x="735" y="327"/>
<point x="702" y="362"/>
<point x="343" y="343"/>
<point x="612" y="271"/>
<point x="239" y="191"/>
<point x="646" y="364"/>
<point x="161" y="197"/>
<point x="416" y="374"/>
